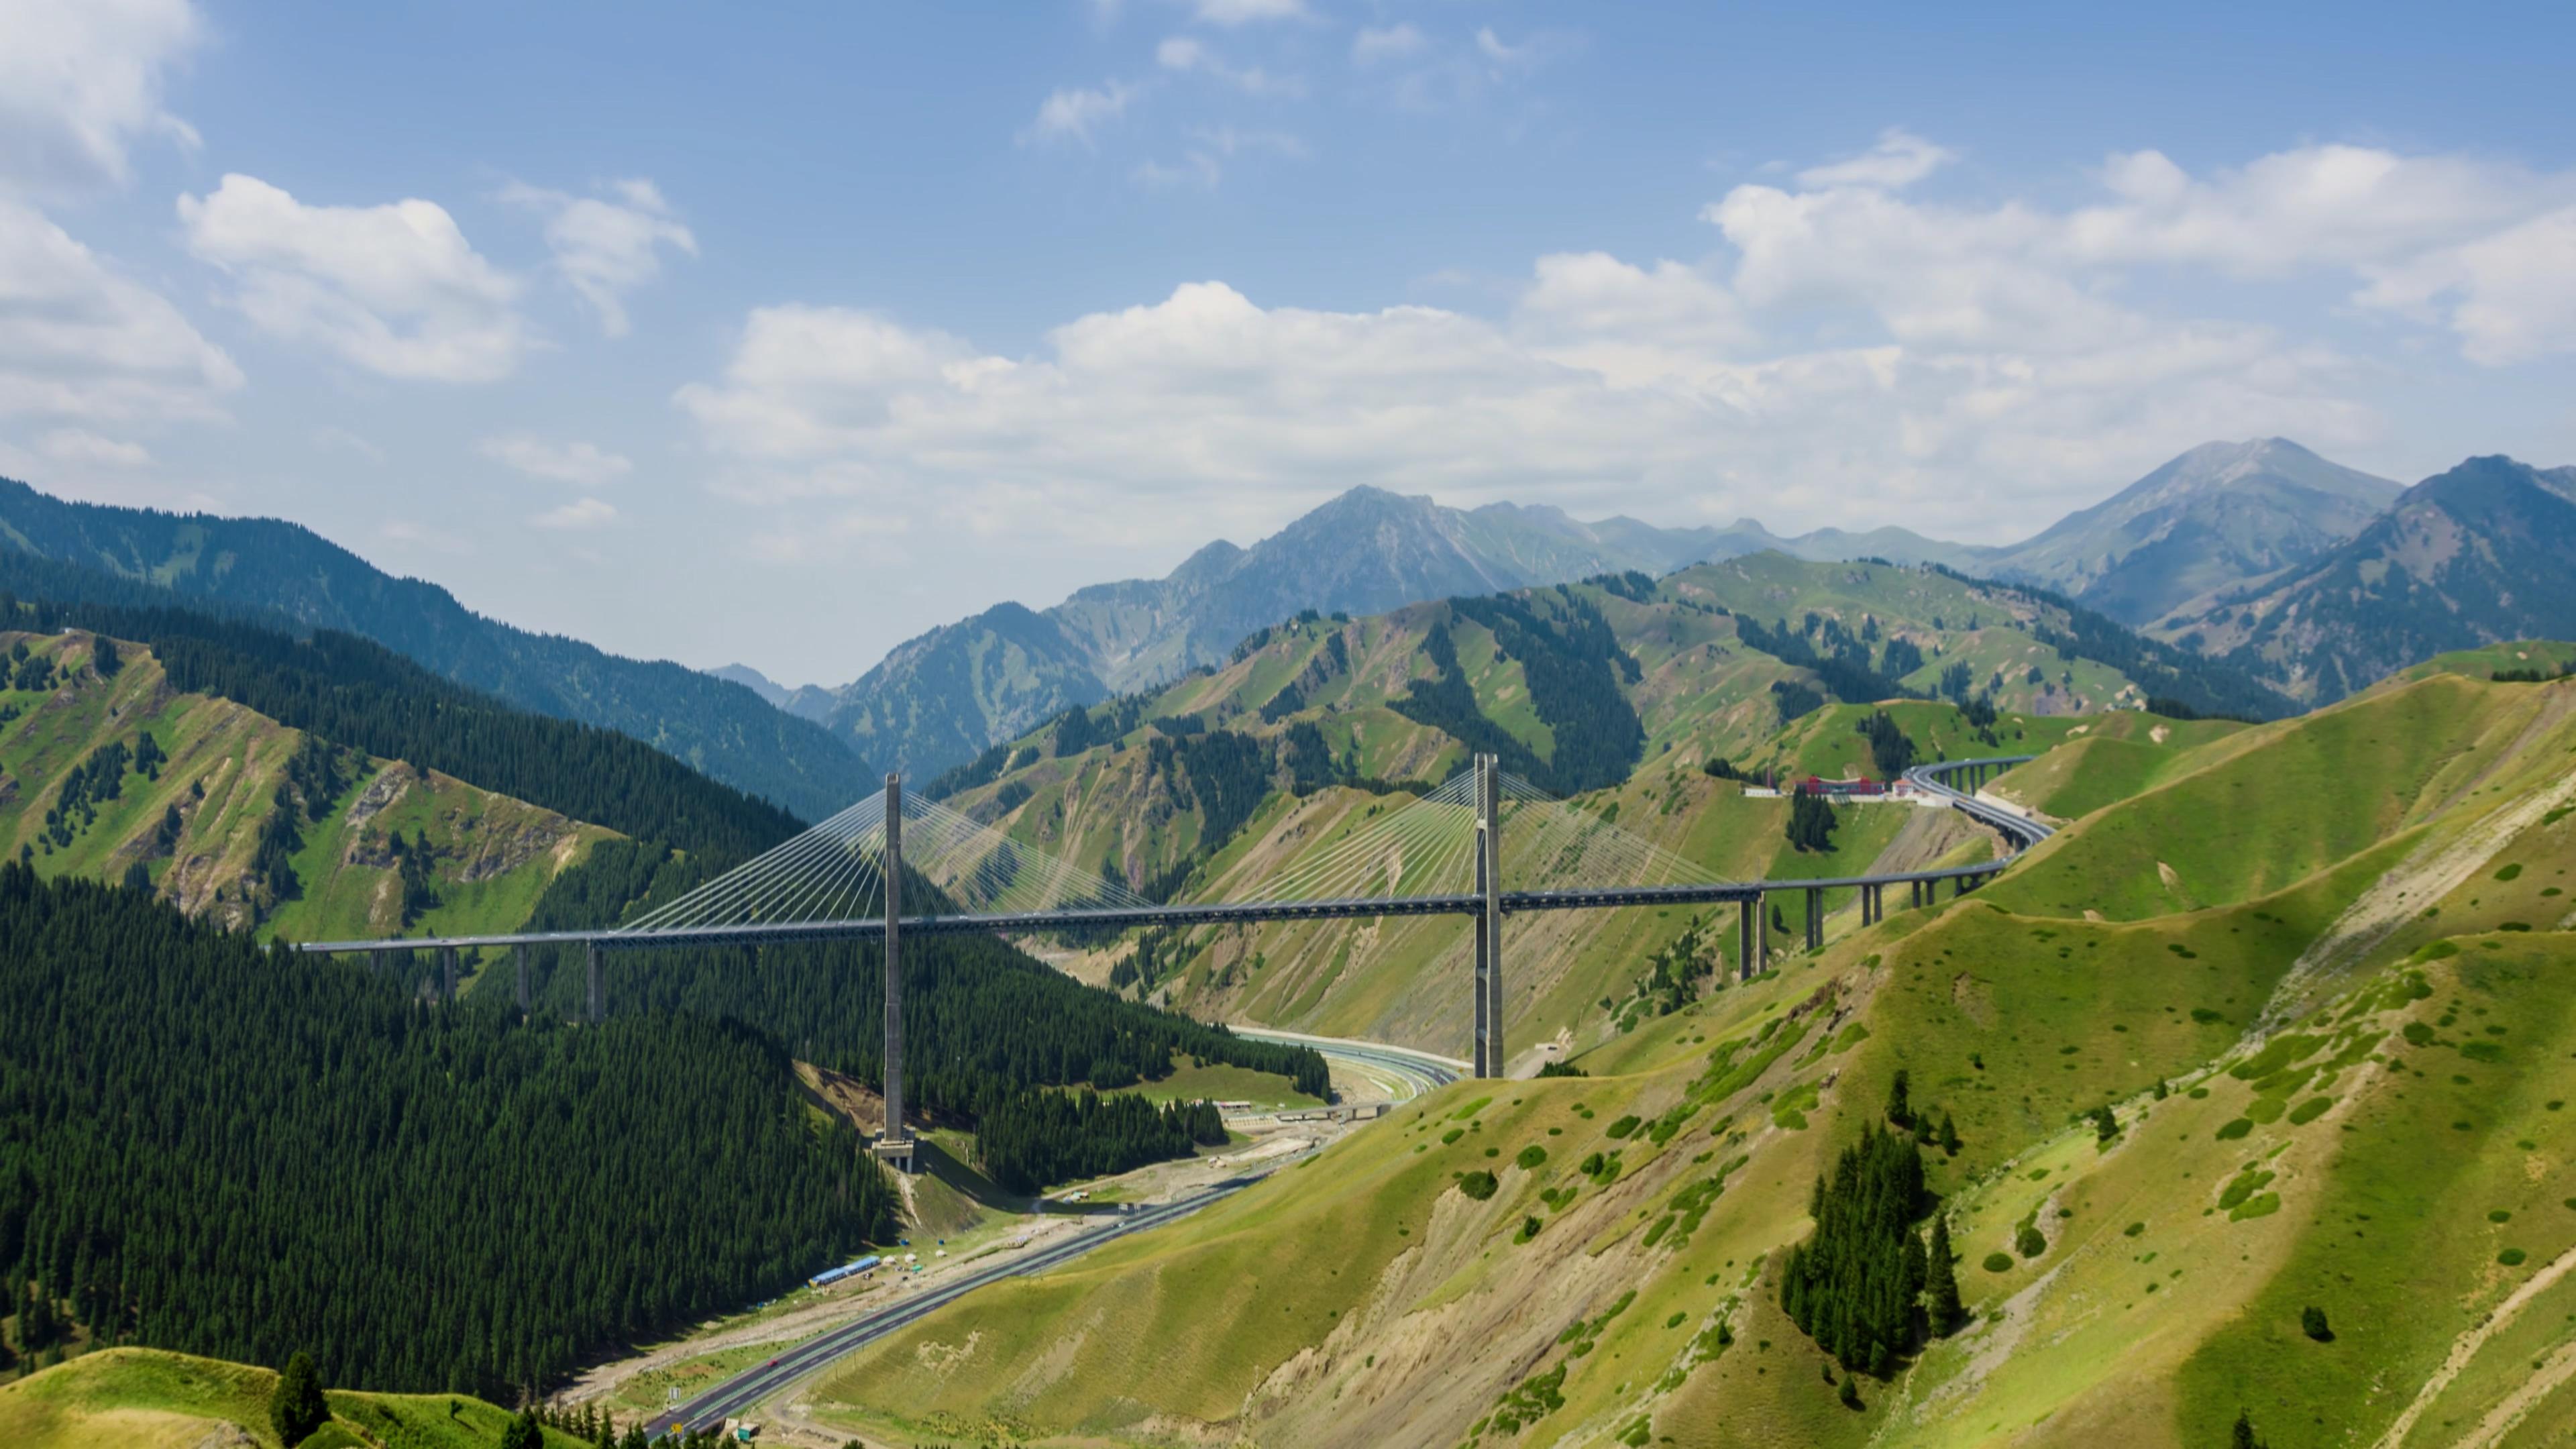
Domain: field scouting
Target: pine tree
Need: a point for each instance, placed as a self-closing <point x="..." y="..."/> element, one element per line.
<point x="1941" y="1289"/>
<point x="1949" y="1135"/>
<point x="2242" y="1437"/>
<point x="2312" y="1322"/>
<point x="522" y="1432"/>
<point x="296" y="1407"/>
<point x="1899" y="1111"/>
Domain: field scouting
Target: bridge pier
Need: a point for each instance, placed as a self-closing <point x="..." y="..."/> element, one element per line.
<point x="1746" y="961"/>
<point x="1489" y="918"/>
<point x="1815" y="918"/>
<point x="519" y="959"/>
<point x="447" y="974"/>
<point x="596" y="1001"/>
<point x="894" y="1144"/>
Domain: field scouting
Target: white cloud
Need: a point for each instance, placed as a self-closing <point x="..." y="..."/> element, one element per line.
<point x="80" y="340"/>
<point x="585" y="465"/>
<point x="79" y="445"/>
<point x="1536" y="49"/>
<point x="2511" y="296"/>
<point x="1899" y="159"/>
<point x="1247" y="12"/>
<point x="608" y="246"/>
<point x="1846" y="354"/>
<point x="580" y="515"/>
<point x="1075" y="113"/>
<point x="1374" y="43"/>
<point x="80" y="80"/>
<point x="1188" y="55"/>
<point x="395" y="289"/>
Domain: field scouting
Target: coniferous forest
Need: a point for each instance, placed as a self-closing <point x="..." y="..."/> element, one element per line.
<point x="360" y="694"/>
<point x="207" y="1147"/>
<point x="988" y="1032"/>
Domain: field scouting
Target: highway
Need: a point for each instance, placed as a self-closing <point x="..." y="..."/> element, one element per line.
<point x="745" y="1390"/>
<point x="1425" y="1070"/>
<point x="2023" y="831"/>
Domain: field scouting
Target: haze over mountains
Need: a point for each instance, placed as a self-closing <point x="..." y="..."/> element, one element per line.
<point x="2184" y="551"/>
<point x="2221" y="516"/>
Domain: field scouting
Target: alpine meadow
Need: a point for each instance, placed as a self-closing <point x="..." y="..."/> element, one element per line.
<point x="1286" y="724"/>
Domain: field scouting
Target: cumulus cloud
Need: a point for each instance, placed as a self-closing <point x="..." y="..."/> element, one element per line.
<point x="1900" y="158"/>
<point x="1532" y="51"/>
<point x="1845" y="352"/>
<point x="585" y="465"/>
<point x="395" y="289"/>
<point x="1075" y="113"/>
<point x="1375" y="44"/>
<point x="81" y="80"/>
<point x="608" y="246"/>
<point x="79" y="340"/>
<point x="1189" y="55"/>
<point x="580" y="515"/>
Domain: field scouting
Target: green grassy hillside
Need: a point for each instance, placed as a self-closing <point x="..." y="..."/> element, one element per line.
<point x="136" y="1398"/>
<point x="2338" y="1071"/>
<point x="70" y="737"/>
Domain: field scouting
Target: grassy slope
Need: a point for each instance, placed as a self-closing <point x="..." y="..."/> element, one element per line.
<point x="1437" y="1312"/>
<point x="1702" y="693"/>
<point x="133" y="1398"/>
<point x="493" y="855"/>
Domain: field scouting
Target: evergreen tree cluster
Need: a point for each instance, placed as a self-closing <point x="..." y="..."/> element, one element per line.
<point x="96" y="781"/>
<point x="1031" y="1139"/>
<point x="984" y="1025"/>
<point x="1858" y="1286"/>
<point x="27" y="669"/>
<point x="1811" y="819"/>
<point x="1574" y="667"/>
<point x="1674" y="971"/>
<point x="1842" y="662"/>
<point x="209" y="1148"/>
<point x="1889" y="746"/>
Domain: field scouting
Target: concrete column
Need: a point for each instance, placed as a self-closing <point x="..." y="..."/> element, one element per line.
<point x="597" y="1000"/>
<point x="519" y="959"/>
<point x="1815" y="918"/>
<point x="895" y="1135"/>
<point x="1490" y="1051"/>
<point x="447" y="974"/>
<point x="1746" y="961"/>
<point x="1761" y="932"/>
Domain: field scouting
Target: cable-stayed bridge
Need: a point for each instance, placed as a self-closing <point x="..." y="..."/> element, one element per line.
<point x="1486" y="845"/>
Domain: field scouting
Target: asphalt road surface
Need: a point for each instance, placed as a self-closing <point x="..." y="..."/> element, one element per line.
<point x="737" y="1395"/>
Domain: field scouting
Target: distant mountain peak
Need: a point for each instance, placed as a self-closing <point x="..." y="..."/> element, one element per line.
<point x="2213" y="517"/>
<point x="755" y="681"/>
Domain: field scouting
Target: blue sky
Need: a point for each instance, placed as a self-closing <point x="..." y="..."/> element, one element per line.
<point x="783" y="333"/>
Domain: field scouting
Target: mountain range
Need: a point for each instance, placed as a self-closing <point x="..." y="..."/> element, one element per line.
<point x="2471" y="556"/>
<point x="287" y="576"/>
<point x="2221" y="516"/>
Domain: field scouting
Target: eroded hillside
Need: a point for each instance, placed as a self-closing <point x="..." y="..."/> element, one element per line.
<point x="238" y="818"/>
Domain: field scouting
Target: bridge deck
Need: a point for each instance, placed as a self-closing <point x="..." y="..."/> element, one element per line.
<point x="2021" y="830"/>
